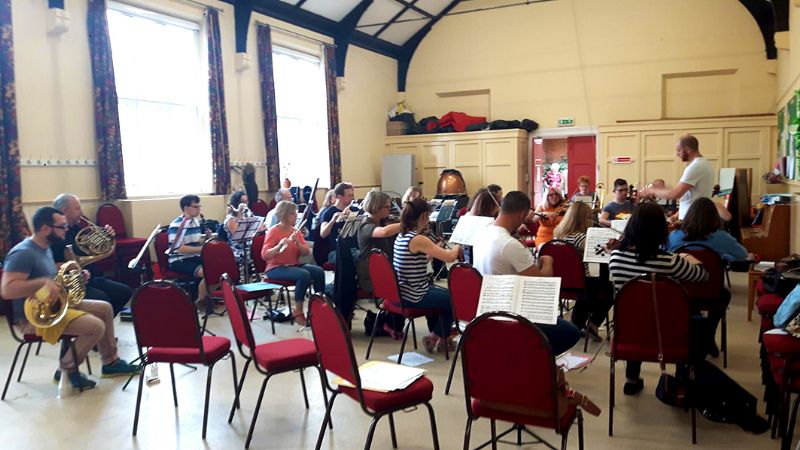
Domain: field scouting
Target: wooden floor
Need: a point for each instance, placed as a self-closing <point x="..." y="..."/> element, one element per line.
<point x="32" y="417"/>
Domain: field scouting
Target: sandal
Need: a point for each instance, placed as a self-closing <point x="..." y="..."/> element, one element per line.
<point x="430" y="342"/>
<point x="396" y="335"/>
<point x="299" y="319"/>
<point x="451" y="345"/>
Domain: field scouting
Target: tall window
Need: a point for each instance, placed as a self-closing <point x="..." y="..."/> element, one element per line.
<point x="162" y="87"/>
<point x="302" y="117"/>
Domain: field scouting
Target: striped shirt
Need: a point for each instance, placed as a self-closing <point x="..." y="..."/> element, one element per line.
<point x="411" y="269"/>
<point x="193" y="236"/>
<point x="624" y="266"/>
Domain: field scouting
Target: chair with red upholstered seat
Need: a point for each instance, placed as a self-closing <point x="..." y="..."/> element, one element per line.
<point x="168" y="331"/>
<point x="568" y="265"/>
<point x="464" y="284"/>
<point x="270" y="358"/>
<point x="260" y="208"/>
<point x="710" y="295"/>
<point x="28" y="340"/>
<point x="127" y="247"/>
<point x="634" y="335"/>
<point x="783" y="352"/>
<point x="161" y="246"/>
<point x="515" y="382"/>
<point x="387" y="298"/>
<point x="335" y="351"/>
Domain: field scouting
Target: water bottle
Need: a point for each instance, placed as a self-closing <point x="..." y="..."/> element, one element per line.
<point x="64" y="386"/>
<point x="153" y="377"/>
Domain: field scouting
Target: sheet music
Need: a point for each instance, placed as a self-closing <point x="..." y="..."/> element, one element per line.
<point x="381" y="376"/>
<point x="596" y="239"/>
<point x="583" y="199"/>
<point x="468" y="229"/>
<point x="619" y="225"/>
<point x="498" y="293"/>
<point x="538" y="300"/>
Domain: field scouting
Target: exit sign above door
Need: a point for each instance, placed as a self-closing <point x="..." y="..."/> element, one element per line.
<point x="566" y="122"/>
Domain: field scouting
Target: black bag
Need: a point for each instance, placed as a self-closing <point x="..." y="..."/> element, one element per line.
<point x="279" y="315"/>
<point x="395" y="321"/>
<point x="721" y="399"/>
<point x="780" y="283"/>
<point x="670" y="390"/>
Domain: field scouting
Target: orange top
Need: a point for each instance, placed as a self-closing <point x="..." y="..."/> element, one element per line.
<point x="547" y="226"/>
<point x="290" y="256"/>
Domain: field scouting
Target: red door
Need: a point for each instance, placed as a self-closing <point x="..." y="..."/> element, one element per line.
<point x="581" y="160"/>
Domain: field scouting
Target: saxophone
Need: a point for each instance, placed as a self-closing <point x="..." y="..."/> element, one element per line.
<point x="94" y="241"/>
<point x="42" y="312"/>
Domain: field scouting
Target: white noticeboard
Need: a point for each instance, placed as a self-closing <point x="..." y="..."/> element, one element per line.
<point x="397" y="173"/>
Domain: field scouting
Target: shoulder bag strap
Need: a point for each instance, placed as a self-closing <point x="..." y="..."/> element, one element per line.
<point x="658" y="324"/>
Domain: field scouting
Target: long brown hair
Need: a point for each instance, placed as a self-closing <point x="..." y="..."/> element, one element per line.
<point x="485" y="205"/>
<point x="411" y="213"/>
<point x="578" y="219"/>
<point x="701" y="220"/>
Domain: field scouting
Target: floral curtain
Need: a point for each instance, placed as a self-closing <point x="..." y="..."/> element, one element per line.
<point x="108" y="141"/>
<point x="13" y="226"/>
<point x="216" y="98"/>
<point x="269" y="113"/>
<point x="334" y="152"/>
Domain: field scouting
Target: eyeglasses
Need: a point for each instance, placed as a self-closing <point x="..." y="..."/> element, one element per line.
<point x="63" y="226"/>
<point x="622" y="190"/>
<point x="196" y="206"/>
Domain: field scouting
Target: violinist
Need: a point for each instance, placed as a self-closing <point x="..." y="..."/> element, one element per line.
<point x="330" y="225"/>
<point x="549" y="214"/>
<point x="620" y="207"/>
<point x="484" y="204"/>
<point x="412" y="251"/>
<point x="377" y="232"/>
<point x="411" y="193"/>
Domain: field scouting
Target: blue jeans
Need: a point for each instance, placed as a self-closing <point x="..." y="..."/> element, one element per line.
<point x="562" y="336"/>
<point x="437" y="297"/>
<point x="303" y="275"/>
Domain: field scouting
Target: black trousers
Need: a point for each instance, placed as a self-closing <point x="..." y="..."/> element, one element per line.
<point x="594" y="303"/>
<point x="113" y="292"/>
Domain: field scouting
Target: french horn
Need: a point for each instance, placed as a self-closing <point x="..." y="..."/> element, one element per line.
<point x="42" y="312"/>
<point x="94" y="241"/>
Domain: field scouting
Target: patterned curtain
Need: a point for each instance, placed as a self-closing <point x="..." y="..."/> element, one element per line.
<point x="334" y="152"/>
<point x="268" y="109"/>
<point x="216" y="98"/>
<point x="13" y="227"/>
<point x="106" y="114"/>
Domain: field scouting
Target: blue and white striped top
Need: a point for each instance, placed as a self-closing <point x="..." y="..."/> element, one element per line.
<point x="193" y="236"/>
<point x="411" y="269"/>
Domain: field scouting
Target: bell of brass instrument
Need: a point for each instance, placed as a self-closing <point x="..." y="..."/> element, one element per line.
<point x="451" y="182"/>
<point x="95" y="242"/>
<point x="599" y="193"/>
<point x="43" y="313"/>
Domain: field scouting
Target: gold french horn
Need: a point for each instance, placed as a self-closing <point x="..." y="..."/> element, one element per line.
<point x="41" y="312"/>
<point x="94" y="241"/>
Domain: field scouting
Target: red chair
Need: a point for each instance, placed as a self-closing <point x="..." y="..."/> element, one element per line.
<point x="515" y="382"/>
<point x="162" y="245"/>
<point x="28" y="340"/>
<point x="260" y="208"/>
<point x="783" y="352"/>
<point x="634" y="333"/>
<point x="218" y="259"/>
<point x="568" y="265"/>
<point x="709" y="295"/>
<point x="167" y="331"/>
<point x="270" y="358"/>
<point x="387" y="298"/>
<point x="261" y="267"/>
<point x="464" y="285"/>
<point x="127" y="247"/>
<point x="335" y="350"/>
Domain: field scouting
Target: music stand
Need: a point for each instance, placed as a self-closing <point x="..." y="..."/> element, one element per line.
<point x="245" y="231"/>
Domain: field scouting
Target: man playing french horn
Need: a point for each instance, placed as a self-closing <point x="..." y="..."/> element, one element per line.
<point x="29" y="270"/>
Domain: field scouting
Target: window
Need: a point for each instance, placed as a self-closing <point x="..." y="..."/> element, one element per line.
<point x="301" y="99"/>
<point x="162" y="87"/>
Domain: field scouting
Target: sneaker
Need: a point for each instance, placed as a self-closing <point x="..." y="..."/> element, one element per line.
<point x="120" y="367"/>
<point x="633" y="387"/>
<point x="430" y="342"/>
<point x="78" y="380"/>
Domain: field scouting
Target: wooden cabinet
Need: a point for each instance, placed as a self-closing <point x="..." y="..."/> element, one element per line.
<point x="482" y="157"/>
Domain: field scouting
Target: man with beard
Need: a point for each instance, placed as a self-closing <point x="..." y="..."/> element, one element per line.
<point x="30" y="269"/>
<point x="697" y="180"/>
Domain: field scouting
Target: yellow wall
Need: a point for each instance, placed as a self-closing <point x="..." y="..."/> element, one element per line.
<point x="597" y="61"/>
<point x="55" y="113"/>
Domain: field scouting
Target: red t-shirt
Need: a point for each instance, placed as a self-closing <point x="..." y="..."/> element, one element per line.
<point x="290" y="256"/>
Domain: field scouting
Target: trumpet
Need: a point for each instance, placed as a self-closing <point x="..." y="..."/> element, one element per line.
<point x="42" y="312"/>
<point x="94" y="241"/>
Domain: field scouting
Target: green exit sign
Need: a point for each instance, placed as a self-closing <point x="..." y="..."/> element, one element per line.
<point x="566" y="122"/>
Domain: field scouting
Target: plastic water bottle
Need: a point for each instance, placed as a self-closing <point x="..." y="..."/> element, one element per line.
<point x="64" y="386"/>
<point x="153" y="377"/>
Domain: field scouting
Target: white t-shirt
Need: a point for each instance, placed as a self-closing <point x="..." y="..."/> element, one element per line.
<point x="496" y="252"/>
<point x="700" y="175"/>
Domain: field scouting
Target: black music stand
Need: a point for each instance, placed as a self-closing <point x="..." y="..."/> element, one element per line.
<point x="245" y="232"/>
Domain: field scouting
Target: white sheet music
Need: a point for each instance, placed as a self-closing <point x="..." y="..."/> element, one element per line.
<point x="619" y="225"/>
<point x="596" y="239"/>
<point x="535" y="298"/>
<point x="538" y="300"/>
<point x="469" y="228"/>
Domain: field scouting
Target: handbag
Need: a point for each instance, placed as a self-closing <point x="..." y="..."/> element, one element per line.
<point x="670" y="389"/>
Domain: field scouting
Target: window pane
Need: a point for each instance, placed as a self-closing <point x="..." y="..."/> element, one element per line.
<point x="302" y="118"/>
<point x="163" y="104"/>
